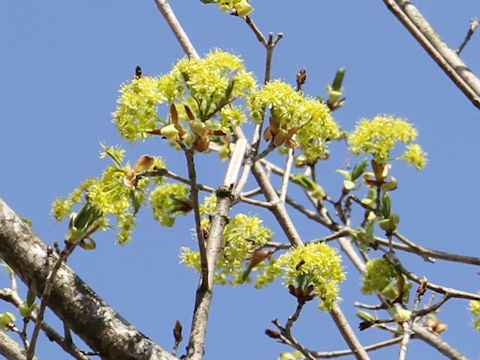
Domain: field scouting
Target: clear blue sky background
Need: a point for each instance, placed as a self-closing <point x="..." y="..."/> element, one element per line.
<point x="63" y="62"/>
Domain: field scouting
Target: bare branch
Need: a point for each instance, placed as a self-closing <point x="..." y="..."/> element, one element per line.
<point x="347" y="332"/>
<point x="426" y="252"/>
<point x="46" y="293"/>
<point x="471" y="30"/>
<point x="196" y="346"/>
<point x="339" y="353"/>
<point x="10" y="348"/>
<point x="437" y="288"/>
<point x="439" y="51"/>
<point x="256" y="30"/>
<point x="278" y="207"/>
<point x="286" y="175"/>
<point x="177" y="28"/>
<point x="437" y="342"/>
<point x="70" y="297"/>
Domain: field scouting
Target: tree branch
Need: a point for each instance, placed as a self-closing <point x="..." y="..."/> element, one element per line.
<point x="347" y="332"/>
<point x="177" y="28"/>
<point x="196" y="346"/>
<point x="436" y="342"/>
<point x="439" y="51"/>
<point x="71" y="299"/>
<point x="10" y="348"/>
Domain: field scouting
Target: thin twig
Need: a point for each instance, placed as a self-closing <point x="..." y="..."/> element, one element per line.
<point x="256" y="30"/>
<point x="437" y="342"/>
<point x="471" y="30"/>
<point x="278" y="207"/>
<point x="372" y="347"/>
<point x="206" y="188"/>
<point x="196" y="346"/>
<point x="177" y="28"/>
<point x="333" y="236"/>
<point x="432" y="308"/>
<point x="251" y="193"/>
<point x="192" y="175"/>
<point x="426" y="252"/>
<point x="402" y="355"/>
<point x="347" y="332"/>
<point x="12" y="297"/>
<point x="286" y="176"/>
<point x="287" y="338"/>
<point x="46" y="293"/>
<point x="437" y="288"/>
<point x="291" y="319"/>
<point x="272" y="42"/>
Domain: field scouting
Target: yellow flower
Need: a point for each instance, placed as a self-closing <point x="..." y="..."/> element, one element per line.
<point x="379" y="136"/>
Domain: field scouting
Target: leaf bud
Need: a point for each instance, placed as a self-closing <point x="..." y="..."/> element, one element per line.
<point x="170" y="132"/>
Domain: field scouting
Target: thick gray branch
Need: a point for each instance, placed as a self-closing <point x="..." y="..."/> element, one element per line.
<point x="71" y="299"/>
<point x="439" y="51"/>
<point x="10" y="348"/>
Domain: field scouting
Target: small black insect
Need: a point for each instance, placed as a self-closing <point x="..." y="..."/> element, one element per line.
<point x="138" y="72"/>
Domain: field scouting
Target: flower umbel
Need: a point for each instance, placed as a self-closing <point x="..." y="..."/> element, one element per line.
<point x="297" y="121"/>
<point x="119" y="192"/>
<point x="379" y="136"/>
<point x="315" y="269"/>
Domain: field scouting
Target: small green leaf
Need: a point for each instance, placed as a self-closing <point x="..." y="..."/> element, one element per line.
<point x="304" y="181"/>
<point x="135" y="202"/>
<point x="337" y="82"/>
<point x="348" y="185"/>
<point x="365" y="316"/>
<point x="359" y="169"/>
<point x="386" y="205"/>
<point x="30" y="297"/>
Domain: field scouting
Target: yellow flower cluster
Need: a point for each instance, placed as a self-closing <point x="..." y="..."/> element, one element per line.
<point x="379" y="136"/>
<point x="137" y="108"/>
<point x="243" y="234"/>
<point x="207" y="89"/>
<point x="315" y="266"/>
<point x="381" y="277"/>
<point x="293" y="114"/>
<point x="241" y="7"/>
<point x="110" y="195"/>
<point x="168" y="201"/>
<point x="379" y="273"/>
<point x="475" y="310"/>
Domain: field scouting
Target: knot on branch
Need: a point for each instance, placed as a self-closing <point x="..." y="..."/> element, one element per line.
<point x="225" y="192"/>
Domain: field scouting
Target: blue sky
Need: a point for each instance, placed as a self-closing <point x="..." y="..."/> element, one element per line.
<point x="63" y="63"/>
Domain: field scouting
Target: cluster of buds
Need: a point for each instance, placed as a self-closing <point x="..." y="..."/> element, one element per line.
<point x="302" y="294"/>
<point x="200" y="130"/>
<point x="280" y="135"/>
<point x="83" y="225"/>
<point x="133" y="175"/>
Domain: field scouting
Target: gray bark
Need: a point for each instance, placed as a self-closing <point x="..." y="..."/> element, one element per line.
<point x="85" y="313"/>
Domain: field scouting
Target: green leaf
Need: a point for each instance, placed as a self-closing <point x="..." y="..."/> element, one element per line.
<point x="304" y="181"/>
<point x="30" y="297"/>
<point x="337" y="82"/>
<point x="365" y="315"/>
<point x="135" y="202"/>
<point x="386" y="205"/>
<point x="359" y="169"/>
<point x="390" y="224"/>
